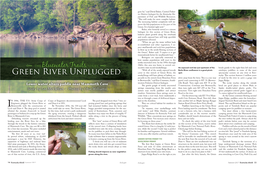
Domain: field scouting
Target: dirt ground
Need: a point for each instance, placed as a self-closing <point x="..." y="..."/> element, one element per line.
<point x="210" y="53"/>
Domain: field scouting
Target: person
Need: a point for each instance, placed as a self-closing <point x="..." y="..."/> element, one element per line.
<point x="241" y="33"/>
<point x="54" y="147"/>
<point x="189" y="27"/>
<point x="218" y="34"/>
<point x="74" y="38"/>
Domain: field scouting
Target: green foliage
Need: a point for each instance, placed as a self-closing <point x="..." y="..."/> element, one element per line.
<point x="124" y="11"/>
<point x="63" y="14"/>
<point x="110" y="14"/>
<point x="199" y="18"/>
<point x="220" y="14"/>
<point x="37" y="28"/>
<point x="55" y="15"/>
<point x="111" y="27"/>
<point x="7" y="31"/>
<point x="88" y="12"/>
<point x="91" y="11"/>
<point x="17" y="14"/>
<point x="44" y="14"/>
<point x="188" y="15"/>
<point x="129" y="31"/>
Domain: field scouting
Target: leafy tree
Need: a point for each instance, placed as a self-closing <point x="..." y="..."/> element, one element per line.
<point x="108" y="11"/>
<point x="199" y="18"/>
<point x="44" y="14"/>
<point x="2" y="22"/>
<point x="18" y="14"/>
<point x="91" y="11"/>
<point x="88" y="12"/>
<point x="188" y="15"/>
<point x="216" y="14"/>
<point x="22" y="15"/>
<point x="124" y="11"/>
<point x="64" y="16"/>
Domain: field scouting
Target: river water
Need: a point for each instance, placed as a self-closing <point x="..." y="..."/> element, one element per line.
<point x="80" y="133"/>
<point x="248" y="26"/>
<point x="59" y="48"/>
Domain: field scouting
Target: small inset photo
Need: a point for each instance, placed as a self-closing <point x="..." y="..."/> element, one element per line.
<point x="67" y="138"/>
<point x="208" y="35"/>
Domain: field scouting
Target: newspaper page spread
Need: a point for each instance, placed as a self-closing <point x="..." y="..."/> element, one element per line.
<point x="77" y="92"/>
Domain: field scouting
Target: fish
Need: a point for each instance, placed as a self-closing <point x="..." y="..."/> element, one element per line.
<point x="69" y="139"/>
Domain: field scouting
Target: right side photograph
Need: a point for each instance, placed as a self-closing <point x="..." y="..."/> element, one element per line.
<point x="208" y="35"/>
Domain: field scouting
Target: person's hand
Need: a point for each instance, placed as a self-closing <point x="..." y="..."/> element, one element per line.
<point x="54" y="146"/>
<point x="215" y="40"/>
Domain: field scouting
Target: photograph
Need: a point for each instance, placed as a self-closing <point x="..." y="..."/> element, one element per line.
<point x="74" y="41"/>
<point x="217" y="35"/>
<point x="67" y="138"/>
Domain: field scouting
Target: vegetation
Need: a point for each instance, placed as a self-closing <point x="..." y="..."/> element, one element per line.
<point x="190" y="15"/>
<point x="58" y="15"/>
<point x="221" y="14"/>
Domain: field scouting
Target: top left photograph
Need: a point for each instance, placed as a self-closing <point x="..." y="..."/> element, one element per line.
<point x="66" y="28"/>
<point x="66" y="46"/>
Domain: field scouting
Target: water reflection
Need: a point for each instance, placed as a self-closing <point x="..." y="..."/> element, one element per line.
<point x="59" y="48"/>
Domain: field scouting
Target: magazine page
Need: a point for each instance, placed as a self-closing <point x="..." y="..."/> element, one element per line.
<point x="77" y="92"/>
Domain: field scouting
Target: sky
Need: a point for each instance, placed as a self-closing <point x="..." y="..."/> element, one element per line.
<point x="203" y="11"/>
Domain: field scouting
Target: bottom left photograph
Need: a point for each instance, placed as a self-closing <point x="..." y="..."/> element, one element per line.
<point x="66" y="138"/>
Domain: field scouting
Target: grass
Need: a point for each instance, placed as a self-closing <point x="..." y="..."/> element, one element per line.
<point x="35" y="29"/>
<point x="94" y="32"/>
<point x="126" y="29"/>
<point x="6" y="31"/>
<point x="129" y="31"/>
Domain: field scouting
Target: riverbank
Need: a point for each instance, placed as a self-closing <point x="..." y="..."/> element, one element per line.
<point x="231" y="19"/>
<point x="98" y="30"/>
<point x="65" y="36"/>
<point x="183" y="24"/>
<point x="209" y="52"/>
